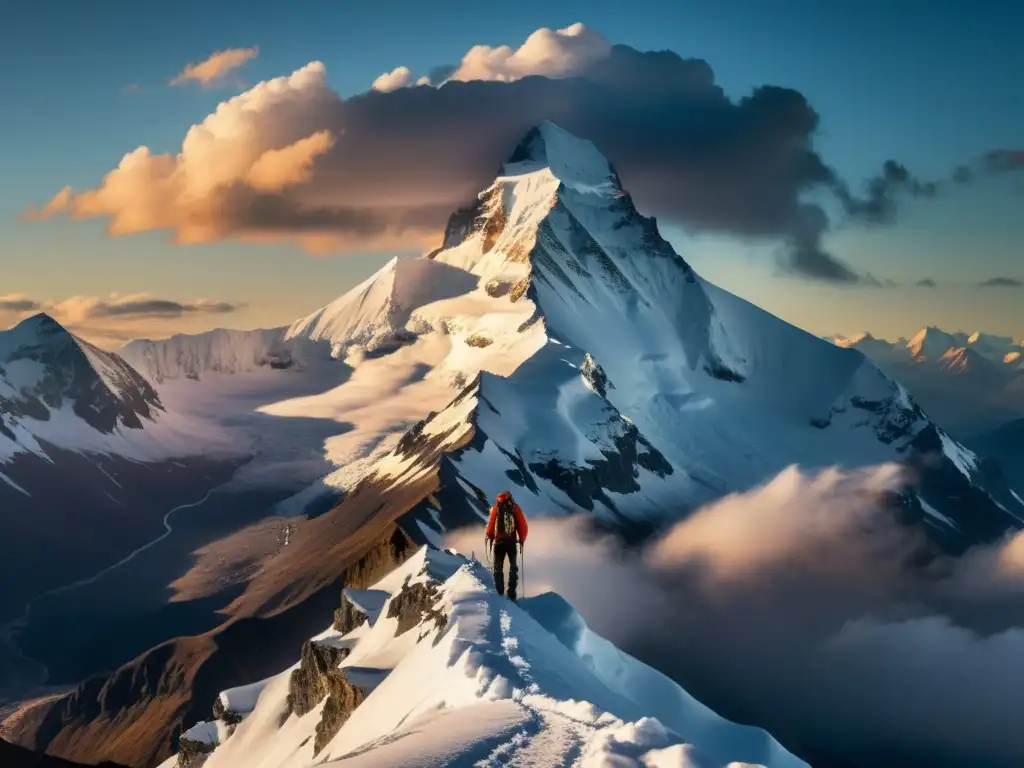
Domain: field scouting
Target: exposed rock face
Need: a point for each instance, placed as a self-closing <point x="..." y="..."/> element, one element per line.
<point x="193" y="754"/>
<point x="225" y="715"/>
<point x="308" y="684"/>
<point x="414" y="605"/>
<point x="595" y="375"/>
<point x="617" y="472"/>
<point x="343" y="698"/>
<point x="348" y="617"/>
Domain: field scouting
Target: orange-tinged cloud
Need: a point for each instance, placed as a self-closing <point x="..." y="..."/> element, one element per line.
<point x="57" y="204"/>
<point x="214" y="69"/>
<point x="399" y="77"/>
<point x="279" y="168"/>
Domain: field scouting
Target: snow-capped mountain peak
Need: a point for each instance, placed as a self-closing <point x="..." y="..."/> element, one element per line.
<point x="44" y="367"/>
<point x="575" y="162"/>
<point x="932" y="343"/>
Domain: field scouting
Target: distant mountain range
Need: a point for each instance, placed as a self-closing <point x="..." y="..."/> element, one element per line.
<point x="969" y="383"/>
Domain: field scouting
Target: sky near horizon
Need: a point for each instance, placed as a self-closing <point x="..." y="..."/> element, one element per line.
<point x="932" y="85"/>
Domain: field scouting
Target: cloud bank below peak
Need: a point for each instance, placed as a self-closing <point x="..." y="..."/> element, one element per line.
<point x="383" y="170"/>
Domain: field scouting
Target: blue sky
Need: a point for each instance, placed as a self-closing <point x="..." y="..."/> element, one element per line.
<point x="932" y="84"/>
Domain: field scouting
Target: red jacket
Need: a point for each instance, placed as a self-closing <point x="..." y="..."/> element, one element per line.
<point x="521" y="527"/>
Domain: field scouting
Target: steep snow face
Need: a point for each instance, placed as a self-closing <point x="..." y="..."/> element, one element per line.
<point x="374" y="314"/>
<point x="446" y="671"/>
<point x="219" y="351"/>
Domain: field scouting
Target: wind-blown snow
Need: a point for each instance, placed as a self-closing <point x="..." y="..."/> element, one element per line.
<point x="500" y="684"/>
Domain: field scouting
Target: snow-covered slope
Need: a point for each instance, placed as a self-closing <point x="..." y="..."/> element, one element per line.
<point x="60" y="391"/>
<point x="218" y="351"/>
<point x="440" y="670"/>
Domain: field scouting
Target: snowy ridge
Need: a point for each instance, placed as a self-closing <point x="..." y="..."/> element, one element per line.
<point x="195" y="356"/>
<point x="933" y="344"/>
<point x="449" y="671"/>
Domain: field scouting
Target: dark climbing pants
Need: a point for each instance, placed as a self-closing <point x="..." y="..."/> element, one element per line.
<point x="503" y="549"/>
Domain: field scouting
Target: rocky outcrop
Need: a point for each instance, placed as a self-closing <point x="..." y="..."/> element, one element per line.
<point x="617" y="471"/>
<point x="348" y="617"/>
<point x="414" y="605"/>
<point x="343" y="697"/>
<point x="594" y="374"/>
<point x="308" y="684"/>
<point x="193" y="754"/>
<point x="225" y="715"/>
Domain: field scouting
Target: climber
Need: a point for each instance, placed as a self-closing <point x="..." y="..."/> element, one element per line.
<point x="506" y="523"/>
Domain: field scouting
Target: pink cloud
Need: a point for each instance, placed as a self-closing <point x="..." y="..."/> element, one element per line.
<point x="216" y="67"/>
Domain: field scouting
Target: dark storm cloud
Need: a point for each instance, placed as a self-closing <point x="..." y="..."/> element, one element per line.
<point x="926" y="282"/>
<point x="152" y="307"/>
<point x="1002" y="282"/>
<point x="18" y="303"/>
<point x="879" y="203"/>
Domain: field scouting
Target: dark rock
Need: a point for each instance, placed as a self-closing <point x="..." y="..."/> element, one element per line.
<point x="595" y="374"/>
<point x="476" y="340"/>
<point x="348" y="617"/>
<point x="308" y="684"/>
<point x="193" y="754"/>
<point x="617" y="472"/>
<point x="414" y="604"/>
<point x="225" y="715"/>
<point x="723" y="373"/>
<point x="342" y="700"/>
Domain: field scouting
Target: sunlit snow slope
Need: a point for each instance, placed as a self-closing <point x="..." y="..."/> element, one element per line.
<point x="437" y="669"/>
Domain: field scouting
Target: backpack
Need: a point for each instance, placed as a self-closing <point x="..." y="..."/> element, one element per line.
<point x="505" y="520"/>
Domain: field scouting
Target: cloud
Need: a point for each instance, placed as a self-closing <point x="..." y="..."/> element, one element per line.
<point x="403" y="158"/>
<point x="1003" y="160"/>
<point x="548" y="52"/>
<point x="59" y="203"/>
<point x="397" y="78"/>
<point x="804" y="606"/>
<point x="926" y="282"/>
<point x="18" y="302"/>
<point x="78" y="309"/>
<point x="277" y="169"/>
<point x="216" y="67"/>
<point x="1002" y="282"/>
<point x="879" y="204"/>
